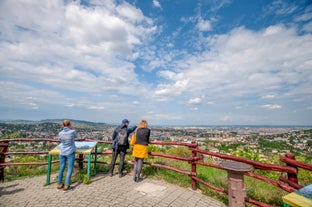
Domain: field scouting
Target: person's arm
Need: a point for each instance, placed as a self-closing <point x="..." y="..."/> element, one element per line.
<point x="75" y="134"/>
<point x="132" y="129"/>
<point x="114" y="134"/>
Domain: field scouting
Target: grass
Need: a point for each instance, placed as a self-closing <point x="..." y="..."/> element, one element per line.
<point x="19" y="172"/>
<point x="255" y="189"/>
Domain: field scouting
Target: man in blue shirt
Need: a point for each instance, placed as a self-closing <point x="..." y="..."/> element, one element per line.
<point x="117" y="149"/>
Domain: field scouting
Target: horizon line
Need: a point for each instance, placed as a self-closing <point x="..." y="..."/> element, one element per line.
<point x="169" y="125"/>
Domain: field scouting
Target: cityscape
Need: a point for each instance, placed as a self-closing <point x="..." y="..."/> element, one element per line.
<point x="266" y="140"/>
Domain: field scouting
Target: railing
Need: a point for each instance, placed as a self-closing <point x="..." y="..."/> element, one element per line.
<point x="288" y="184"/>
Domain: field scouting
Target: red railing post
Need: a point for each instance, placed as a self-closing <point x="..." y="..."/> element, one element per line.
<point x="194" y="154"/>
<point x="292" y="176"/>
<point x="5" y="146"/>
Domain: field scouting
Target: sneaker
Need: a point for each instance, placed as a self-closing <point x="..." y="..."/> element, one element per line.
<point x="60" y="186"/>
<point x="138" y="179"/>
<point x="67" y="188"/>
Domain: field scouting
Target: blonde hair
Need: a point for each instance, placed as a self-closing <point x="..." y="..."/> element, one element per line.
<point x="66" y="123"/>
<point x="143" y="124"/>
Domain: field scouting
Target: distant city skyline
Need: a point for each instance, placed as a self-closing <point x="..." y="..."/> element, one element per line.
<point x="179" y="62"/>
<point x="113" y="124"/>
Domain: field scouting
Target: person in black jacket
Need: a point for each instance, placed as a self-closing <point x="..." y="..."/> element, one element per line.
<point x="122" y="150"/>
<point x="140" y="148"/>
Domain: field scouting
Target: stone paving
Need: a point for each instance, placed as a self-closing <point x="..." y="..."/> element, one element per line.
<point x="102" y="191"/>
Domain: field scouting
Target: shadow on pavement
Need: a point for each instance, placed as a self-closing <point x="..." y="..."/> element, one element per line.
<point x="6" y="190"/>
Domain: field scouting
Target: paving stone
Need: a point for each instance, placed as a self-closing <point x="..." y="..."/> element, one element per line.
<point x="102" y="191"/>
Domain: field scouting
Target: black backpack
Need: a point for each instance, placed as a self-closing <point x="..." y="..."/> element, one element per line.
<point x="122" y="136"/>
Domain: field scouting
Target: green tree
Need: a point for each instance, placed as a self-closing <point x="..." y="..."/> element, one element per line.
<point x="11" y="135"/>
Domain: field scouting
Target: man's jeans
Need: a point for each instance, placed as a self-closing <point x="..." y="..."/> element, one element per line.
<point x="71" y="160"/>
<point x="114" y="157"/>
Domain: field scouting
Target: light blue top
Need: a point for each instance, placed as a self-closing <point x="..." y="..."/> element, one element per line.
<point x="67" y="137"/>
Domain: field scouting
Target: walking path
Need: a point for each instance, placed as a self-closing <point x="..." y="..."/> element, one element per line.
<point x="102" y="191"/>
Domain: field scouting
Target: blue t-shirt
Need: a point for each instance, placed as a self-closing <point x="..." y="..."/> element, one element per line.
<point x="67" y="137"/>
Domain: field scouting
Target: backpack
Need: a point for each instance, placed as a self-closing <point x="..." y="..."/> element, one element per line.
<point x="122" y="136"/>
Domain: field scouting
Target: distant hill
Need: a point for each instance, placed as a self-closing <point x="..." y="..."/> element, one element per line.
<point x="58" y="121"/>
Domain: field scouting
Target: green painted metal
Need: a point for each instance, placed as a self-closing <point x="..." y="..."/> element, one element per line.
<point x="49" y="169"/>
<point x="89" y="165"/>
<point x="95" y="157"/>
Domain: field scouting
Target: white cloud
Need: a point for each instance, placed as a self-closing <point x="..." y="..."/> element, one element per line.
<point x="304" y="17"/>
<point x="163" y="117"/>
<point x="268" y="96"/>
<point x="18" y="95"/>
<point x="167" y="74"/>
<point x="243" y="63"/>
<point x="71" y="57"/>
<point x="194" y="108"/>
<point x="225" y="118"/>
<point x="195" y="101"/>
<point x="308" y="27"/>
<point x="67" y="57"/>
<point x="131" y="13"/>
<point x="280" y="7"/>
<point x="156" y="4"/>
<point x="72" y="47"/>
<point x="204" y="25"/>
<point x="271" y="106"/>
<point x="96" y="107"/>
<point x="171" y="90"/>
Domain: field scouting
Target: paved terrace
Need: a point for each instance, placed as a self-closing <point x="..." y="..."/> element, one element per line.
<point x="102" y="191"/>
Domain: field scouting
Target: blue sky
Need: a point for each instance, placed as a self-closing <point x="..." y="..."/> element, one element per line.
<point x="183" y="62"/>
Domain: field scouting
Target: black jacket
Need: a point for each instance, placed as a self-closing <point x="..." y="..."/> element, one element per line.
<point x="143" y="136"/>
<point x="129" y="130"/>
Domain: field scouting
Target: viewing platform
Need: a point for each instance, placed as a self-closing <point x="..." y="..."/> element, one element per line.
<point x="102" y="191"/>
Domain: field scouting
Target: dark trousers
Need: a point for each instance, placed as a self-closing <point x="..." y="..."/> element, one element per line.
<point x="121" y="162"/>
<point x="138" y="162"/>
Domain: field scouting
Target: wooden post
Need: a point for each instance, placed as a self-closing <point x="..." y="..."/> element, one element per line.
<point x="194" y="154"/>
<point x="292" y="176"/>
<point x="5" y="146"/>
<point x="80" y="161"/>
<point x="236" y="188"/>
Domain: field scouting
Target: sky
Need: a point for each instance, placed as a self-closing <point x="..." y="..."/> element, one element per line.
<point x="171" y="62"/>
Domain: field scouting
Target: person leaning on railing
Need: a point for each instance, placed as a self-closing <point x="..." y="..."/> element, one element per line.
<point x="120" y="149"/>
<point x="68" y="149"/>
<point x="140" y="148"/>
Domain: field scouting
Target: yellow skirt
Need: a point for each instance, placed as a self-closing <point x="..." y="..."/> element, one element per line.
<point x="140" y="151"/>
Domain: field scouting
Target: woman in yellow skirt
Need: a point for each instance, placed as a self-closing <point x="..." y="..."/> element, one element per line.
<point x="140" y="148"/>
